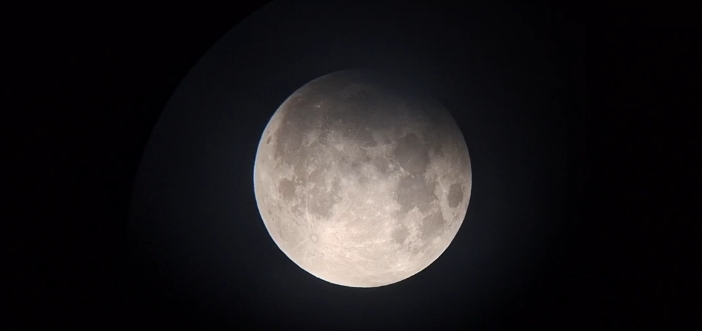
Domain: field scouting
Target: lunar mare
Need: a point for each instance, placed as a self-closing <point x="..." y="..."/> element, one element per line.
<point x="360" y="180"/>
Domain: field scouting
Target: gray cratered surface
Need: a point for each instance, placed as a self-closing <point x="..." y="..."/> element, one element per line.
<point x="361" y="180"/>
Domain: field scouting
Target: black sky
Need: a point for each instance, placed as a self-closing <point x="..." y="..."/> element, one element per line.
<point x="570" y="115"/>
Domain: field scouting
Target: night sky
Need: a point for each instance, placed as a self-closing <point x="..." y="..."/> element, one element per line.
<point x="136" y="136"/>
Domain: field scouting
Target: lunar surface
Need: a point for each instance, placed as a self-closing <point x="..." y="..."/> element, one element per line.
<point x="360" y="180"/>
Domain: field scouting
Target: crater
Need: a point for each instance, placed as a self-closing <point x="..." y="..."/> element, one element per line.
<point x="413" y="191"/>
<point x="412" y="154"/>
<point x="268" y="141"/>
<point x="455" y="195"/>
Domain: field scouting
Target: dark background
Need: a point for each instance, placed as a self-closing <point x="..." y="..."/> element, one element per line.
<point x="91" y="88"/>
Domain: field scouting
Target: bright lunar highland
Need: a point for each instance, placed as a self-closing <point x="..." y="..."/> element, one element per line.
<point x="361" y="180"/>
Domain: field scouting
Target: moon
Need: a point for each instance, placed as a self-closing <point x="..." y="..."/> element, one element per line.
<point x="361" y="179"/>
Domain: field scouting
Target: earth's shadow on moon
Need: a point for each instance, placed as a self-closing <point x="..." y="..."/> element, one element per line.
<point x="361" y="179"/>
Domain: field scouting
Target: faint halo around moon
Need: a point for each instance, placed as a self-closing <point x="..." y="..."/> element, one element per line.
<point x="361" y="180"/>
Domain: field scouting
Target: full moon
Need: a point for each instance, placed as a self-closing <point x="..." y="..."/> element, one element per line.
<point x="361" y="179"/>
